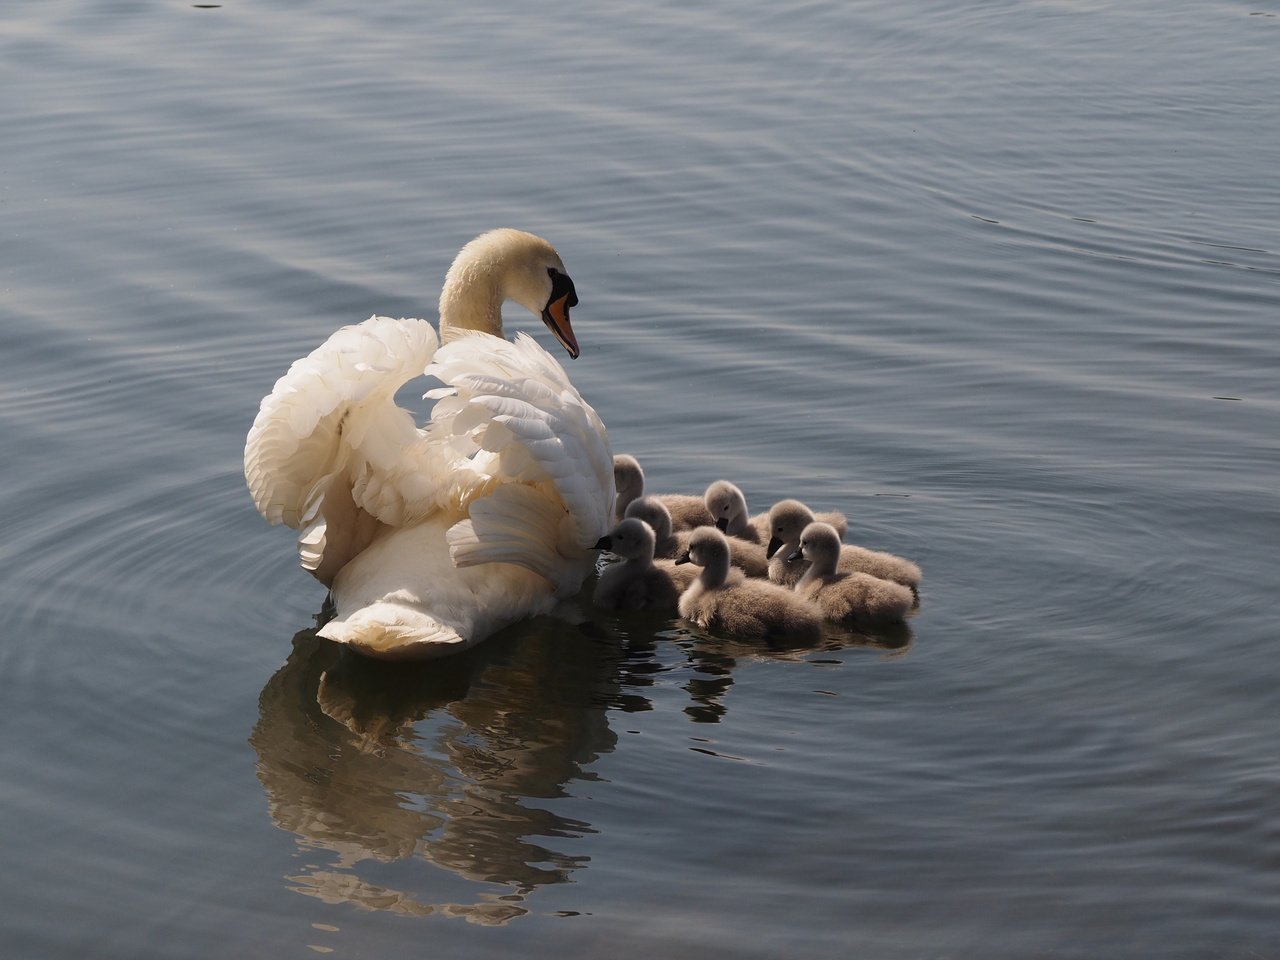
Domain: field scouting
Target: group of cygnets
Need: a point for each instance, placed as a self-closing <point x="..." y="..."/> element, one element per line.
<point x="777" y="574"/>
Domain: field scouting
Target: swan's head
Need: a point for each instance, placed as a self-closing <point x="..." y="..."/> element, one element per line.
<point x="517" y="266"/>
<point x="726" y="503"/>
<point x="820" y="545"/>
<point x="632" y="539"/>
<point x="654" y="513"/>
<point x="536" y="279"/>
<point x="787" y="520"/>
<point x="707" y="548"/>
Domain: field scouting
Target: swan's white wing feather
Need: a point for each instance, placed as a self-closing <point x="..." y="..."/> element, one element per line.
<point x="522" y="525"/>
<point x="334" y="410"/>
<point x="520" y="405"/>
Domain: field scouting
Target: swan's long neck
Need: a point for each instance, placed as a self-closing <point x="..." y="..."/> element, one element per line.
<point x="471" y="299"/>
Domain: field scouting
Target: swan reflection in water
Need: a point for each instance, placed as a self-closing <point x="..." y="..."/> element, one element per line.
<point x="384" y="763"/>
<point x="378" y="766"/>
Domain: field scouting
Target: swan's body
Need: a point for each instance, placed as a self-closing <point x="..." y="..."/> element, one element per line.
<point x="432" y="538"/>
<point x="635" y="583"/>
<point x="849" y="598"/>
<point x="686" y="510"/>
<point x="788" y="520"/>
<point x="723" y="601"/>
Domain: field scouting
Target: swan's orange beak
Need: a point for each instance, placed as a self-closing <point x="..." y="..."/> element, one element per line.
<point x="556" y="317"/>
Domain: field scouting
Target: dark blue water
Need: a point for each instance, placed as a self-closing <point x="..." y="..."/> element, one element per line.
<point x="1001" y="282"/>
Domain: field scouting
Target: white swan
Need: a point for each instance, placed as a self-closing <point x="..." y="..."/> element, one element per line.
<point x="432" y="538"/>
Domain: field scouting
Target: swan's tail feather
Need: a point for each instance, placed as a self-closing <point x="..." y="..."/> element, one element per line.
<point x="393" y="631"/>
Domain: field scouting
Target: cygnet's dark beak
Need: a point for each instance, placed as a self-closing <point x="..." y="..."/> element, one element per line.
<point x="722" y="524"/>
<point x="683" y="558"/>
<point x="774" y="544"/>
<point x="556" y="313"/>
<point x="604" y="543"/>
<point x="794" y="555"/>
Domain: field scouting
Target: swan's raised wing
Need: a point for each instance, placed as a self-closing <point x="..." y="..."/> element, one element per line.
<point x="540" y="487"/>
<point x="331" y="426"/>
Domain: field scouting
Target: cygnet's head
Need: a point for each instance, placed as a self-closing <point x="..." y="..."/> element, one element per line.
<point x="652" y="511"/>
<point x="628" y="483"/>
<point x="707" y="548"/>
<point x="627" y="475"/>
<point x="727" y="505"/>
<point x="820" y="545"/>
<point x="787" y="520"/>
<point x="632" y="539"/>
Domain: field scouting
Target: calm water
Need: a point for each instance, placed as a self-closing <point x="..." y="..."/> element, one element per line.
<point x="1000" y="280"/>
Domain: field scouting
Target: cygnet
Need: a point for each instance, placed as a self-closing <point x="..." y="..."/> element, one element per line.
<point x="788" y="519"/>
<point x="723" y="601"/>
<point x="687" y="511"/>
<point x="746" y="556"/>
<point x="849" y="598"/>
<point x="635" y="583"/>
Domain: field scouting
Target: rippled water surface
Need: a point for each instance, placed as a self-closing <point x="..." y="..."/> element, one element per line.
<point x="999" y="280"/>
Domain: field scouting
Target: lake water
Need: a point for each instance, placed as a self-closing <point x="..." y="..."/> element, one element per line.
<point x="1000" y="280"/>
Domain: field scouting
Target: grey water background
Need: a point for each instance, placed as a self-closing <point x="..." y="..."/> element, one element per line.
<point x="1000" y="280"/>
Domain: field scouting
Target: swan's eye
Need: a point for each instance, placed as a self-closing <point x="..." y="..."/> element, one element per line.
<point x="561" y="286"/>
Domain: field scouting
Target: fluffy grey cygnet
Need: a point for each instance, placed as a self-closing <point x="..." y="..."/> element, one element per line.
<point x="652" y="512"/>
<point x="766" y="523"/>
<point x="788" y="520"/>
<point x="849" y="598"/>
<point x="723" y="601"/>
<point x="728" y="506"/>
<point x="635" y="583"/>
<point x="686" y="510"/>
<point x="746" y="556"/>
